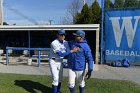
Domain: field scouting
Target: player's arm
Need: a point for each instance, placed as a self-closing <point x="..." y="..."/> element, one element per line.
<point x="68" y="50"/>
<point x="57" y="50"/>
<point x="64" y="53"/>
<point x="89" y="58"/>
<point x="90" y="61"/>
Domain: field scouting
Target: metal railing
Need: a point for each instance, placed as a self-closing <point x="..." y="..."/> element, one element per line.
<point x="23" y="48"/>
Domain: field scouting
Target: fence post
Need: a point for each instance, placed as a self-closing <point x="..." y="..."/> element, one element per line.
<point x="38" y="57"/>
<point x="7" y="56"/>
<point x="102" y="32"/>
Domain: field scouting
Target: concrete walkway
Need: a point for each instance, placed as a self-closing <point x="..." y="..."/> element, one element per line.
<point x="107" y="72"/>
<point x="100" y="71"/>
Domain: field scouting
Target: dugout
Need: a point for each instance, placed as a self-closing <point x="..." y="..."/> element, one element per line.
<point x="40" y="36"/>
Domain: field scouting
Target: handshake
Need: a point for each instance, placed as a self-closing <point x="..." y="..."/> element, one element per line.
<point x="75" y="49"/>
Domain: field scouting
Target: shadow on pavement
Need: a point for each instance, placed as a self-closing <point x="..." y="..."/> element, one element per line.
<point x="31" y="86"/>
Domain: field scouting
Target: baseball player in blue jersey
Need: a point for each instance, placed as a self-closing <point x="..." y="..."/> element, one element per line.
<point x="77" y="61"/>
<point x="59" y="49"/>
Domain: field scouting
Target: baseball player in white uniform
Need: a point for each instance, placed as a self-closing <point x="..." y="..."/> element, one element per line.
<point x="60" y="48"/>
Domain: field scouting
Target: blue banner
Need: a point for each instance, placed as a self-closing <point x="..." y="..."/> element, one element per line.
<point x="122" y="34"/>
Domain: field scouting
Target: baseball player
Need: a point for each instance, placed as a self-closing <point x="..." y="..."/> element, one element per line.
<point x="59" y="49"/>
<point x="77" y="62"/>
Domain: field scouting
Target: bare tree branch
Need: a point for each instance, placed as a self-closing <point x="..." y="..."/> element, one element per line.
<point x="72" y="10"/>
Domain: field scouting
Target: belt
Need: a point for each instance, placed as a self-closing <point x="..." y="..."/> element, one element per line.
<point x="57" y="59"/>
<point x="53" y="58"/>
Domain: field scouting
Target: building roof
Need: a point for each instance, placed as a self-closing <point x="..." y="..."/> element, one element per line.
<point x="87" y="27"/>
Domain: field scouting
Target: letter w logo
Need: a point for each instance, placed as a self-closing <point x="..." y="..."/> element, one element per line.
<point x="127" y="25"/>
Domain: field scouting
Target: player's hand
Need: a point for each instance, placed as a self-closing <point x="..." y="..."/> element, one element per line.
<point x="88" y="75"/>
<point x="76" y="49"/>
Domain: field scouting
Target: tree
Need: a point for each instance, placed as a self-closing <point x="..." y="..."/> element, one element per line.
<point x="118" y="3"/>
<point x="139" y="3"/>
<point x="108" y="4"/>
<point x="78" y="18"/>
<point x="96" y="12"/>
<point x="86" y="15"/>
<point x="72" y="10"/>
<point x="131" y="3"/>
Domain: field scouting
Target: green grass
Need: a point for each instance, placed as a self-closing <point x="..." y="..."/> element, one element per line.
<point x="14" y="83"/>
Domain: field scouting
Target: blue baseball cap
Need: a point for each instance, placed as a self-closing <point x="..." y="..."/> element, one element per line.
<point x="79" y="33"/>
<point x="61" y="32"/>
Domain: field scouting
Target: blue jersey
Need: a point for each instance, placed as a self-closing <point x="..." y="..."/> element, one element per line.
<point x="77" y="61"/>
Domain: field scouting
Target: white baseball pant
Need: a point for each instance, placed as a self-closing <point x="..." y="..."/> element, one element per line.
<point x="73" y="75"/>
<point x="56" y="68"/>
